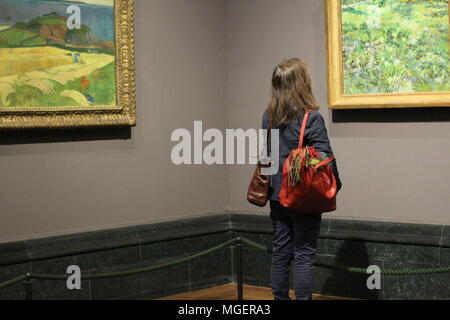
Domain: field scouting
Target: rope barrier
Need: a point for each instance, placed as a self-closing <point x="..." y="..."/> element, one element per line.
<point x="139" y="270"/>
<point x="399" y="272"/>
<point x="250" y="243"/>
<point x="12" y="281"/>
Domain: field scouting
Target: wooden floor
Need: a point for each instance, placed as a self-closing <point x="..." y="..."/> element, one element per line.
<point x="228" y="292"/>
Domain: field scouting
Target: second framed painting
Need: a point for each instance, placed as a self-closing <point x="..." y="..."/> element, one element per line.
<point x="388" y="53"/>
<point x="66" y="63"/>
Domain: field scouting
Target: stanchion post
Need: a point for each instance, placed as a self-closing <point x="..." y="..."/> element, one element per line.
<point x="28" y="287"/>
<point x="238" y="269"/>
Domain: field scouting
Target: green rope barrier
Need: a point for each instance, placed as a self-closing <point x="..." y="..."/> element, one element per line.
<point x="139" y="270"/>
<point x="392" y="272"/>
<point x="255" y="245"/>
<point x="250" y="243"/>
<point x="12" y="281"/>
<point x="398" y="272"/>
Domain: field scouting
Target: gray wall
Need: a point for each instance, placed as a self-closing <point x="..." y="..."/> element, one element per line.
<point x="189" y="52"/>
<point x="390" y="171"/>
<point x="56" y="188"/>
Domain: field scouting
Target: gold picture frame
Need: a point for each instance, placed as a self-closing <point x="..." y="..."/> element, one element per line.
<point x="122" y="113"/>
<point x="336" y="97"/>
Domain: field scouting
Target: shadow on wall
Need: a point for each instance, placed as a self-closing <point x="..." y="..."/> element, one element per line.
<point x="352" y="252"/>
<point x="13" y="137"/>
<point x="388" y="115"/>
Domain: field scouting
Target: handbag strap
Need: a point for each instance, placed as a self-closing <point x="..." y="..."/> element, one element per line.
<point x="302" y="137"/>
<point x="269" y="138"/>
<point x="324" y="162"/>
<point x="302" y="131"/>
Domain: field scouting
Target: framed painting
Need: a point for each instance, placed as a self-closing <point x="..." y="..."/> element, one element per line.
<point x="66" y="63"/>
<point x="388" y="53"/>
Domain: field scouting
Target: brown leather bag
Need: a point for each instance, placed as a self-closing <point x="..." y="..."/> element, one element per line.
<point x="258" y="190"/>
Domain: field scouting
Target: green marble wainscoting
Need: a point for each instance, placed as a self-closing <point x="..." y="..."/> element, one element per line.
<point x="344" y="242"/>
<point x="123" y="249"/>
<point x="360" y="244"/>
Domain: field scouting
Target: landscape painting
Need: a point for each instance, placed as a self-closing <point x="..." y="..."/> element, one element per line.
<point x="46" y="63"/>
<point x="394" y="46"/>
<point x="388" y="53"/>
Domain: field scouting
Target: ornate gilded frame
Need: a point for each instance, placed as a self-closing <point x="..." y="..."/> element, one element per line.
<point x="121" y="114"/>
<point x="336" y="97"/>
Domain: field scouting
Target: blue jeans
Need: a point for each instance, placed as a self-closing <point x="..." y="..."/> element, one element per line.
<point x="295" y="239"/>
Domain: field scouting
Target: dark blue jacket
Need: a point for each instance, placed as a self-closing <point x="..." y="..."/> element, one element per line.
<point x="315" y="135"/>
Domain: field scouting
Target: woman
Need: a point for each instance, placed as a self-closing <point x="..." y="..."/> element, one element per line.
<point x="295" y="233"/>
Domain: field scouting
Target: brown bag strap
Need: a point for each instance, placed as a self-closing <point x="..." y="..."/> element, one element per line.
<point x="302" y="131"/>
<point x="269" y="138"/>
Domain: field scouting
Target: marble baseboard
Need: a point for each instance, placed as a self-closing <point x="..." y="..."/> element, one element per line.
<point x="360" y="244"/>
<point x="118" y="250"/>
<point x="343" y="242"/>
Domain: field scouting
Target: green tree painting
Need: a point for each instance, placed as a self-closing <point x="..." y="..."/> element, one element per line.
<point x="395" y="46"/>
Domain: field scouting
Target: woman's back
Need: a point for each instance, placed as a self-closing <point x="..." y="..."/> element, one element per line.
<point x="315" y="135"/>
<point x="295" y="233"/>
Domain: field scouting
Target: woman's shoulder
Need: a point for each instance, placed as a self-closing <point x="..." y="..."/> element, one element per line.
<point x="315" y="118"/>
<point x="314" y="114"/>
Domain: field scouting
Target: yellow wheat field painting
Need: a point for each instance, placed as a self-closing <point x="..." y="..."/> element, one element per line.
<point x="46" y="63"/>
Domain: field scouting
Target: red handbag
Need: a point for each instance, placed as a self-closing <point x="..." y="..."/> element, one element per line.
<point x="308" y="184"/>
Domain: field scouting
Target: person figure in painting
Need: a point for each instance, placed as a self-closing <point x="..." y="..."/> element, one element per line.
<point x="76" y="57"/>
<point x="85" y="89"/>
<point x="295" y="233"/>
<point x="84" y="85"/>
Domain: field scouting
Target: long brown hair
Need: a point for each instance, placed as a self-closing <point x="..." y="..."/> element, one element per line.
<point x="291" y="92"/>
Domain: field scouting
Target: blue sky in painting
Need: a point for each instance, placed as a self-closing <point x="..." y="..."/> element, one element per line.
<point x="99" y="18"/>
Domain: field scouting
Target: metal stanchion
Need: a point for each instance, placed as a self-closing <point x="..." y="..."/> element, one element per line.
<point x="239" y="270"/>
<point x="28" y="287"/>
